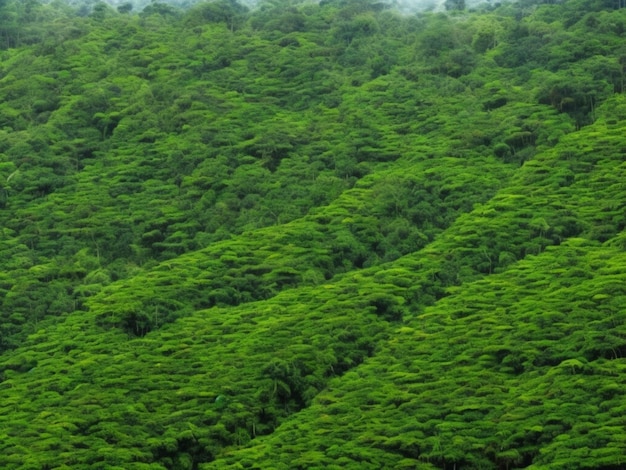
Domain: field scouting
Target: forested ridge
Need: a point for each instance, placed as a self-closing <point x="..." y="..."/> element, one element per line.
<point x="305" y="235"/>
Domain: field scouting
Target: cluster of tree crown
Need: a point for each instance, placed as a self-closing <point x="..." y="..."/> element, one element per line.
<point x="312" y="235"/>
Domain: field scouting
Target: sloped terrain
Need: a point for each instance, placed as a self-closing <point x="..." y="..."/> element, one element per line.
<point x="313" y="236"/>
<point x="523" y="367"/>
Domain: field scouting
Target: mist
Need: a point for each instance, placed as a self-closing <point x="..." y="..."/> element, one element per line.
<point x="405" y="6"/>
<point x="414" y="6"/>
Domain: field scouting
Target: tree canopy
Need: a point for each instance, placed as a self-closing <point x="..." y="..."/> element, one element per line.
<point x="304" y="235"/>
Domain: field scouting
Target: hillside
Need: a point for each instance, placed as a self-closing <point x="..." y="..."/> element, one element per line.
<point x="313" y="236"/>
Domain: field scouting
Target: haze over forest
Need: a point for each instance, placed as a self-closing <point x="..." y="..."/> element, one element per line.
<point x="405" y="6"/>
<point x="313" y="235"/>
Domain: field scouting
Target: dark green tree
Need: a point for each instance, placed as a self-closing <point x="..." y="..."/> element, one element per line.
<point x="454" y="5"/>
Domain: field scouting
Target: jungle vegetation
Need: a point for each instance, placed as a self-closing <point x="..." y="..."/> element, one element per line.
<point x="313" y="236"/>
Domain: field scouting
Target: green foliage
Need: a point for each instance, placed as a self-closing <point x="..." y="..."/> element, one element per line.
<point x="312" y="236"/>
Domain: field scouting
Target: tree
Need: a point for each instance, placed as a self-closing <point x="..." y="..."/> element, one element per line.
<point x="159" y="8"/>
<point x="574" y="92"/>
<point x="125" y="7"/>
<point x="101" y="10"/>
<point x="454" y="5"/>
<point x="9" y="24"/>
<point x="230" y="12"/>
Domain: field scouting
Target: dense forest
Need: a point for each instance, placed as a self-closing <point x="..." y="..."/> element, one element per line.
<point x="304" y="235"/>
